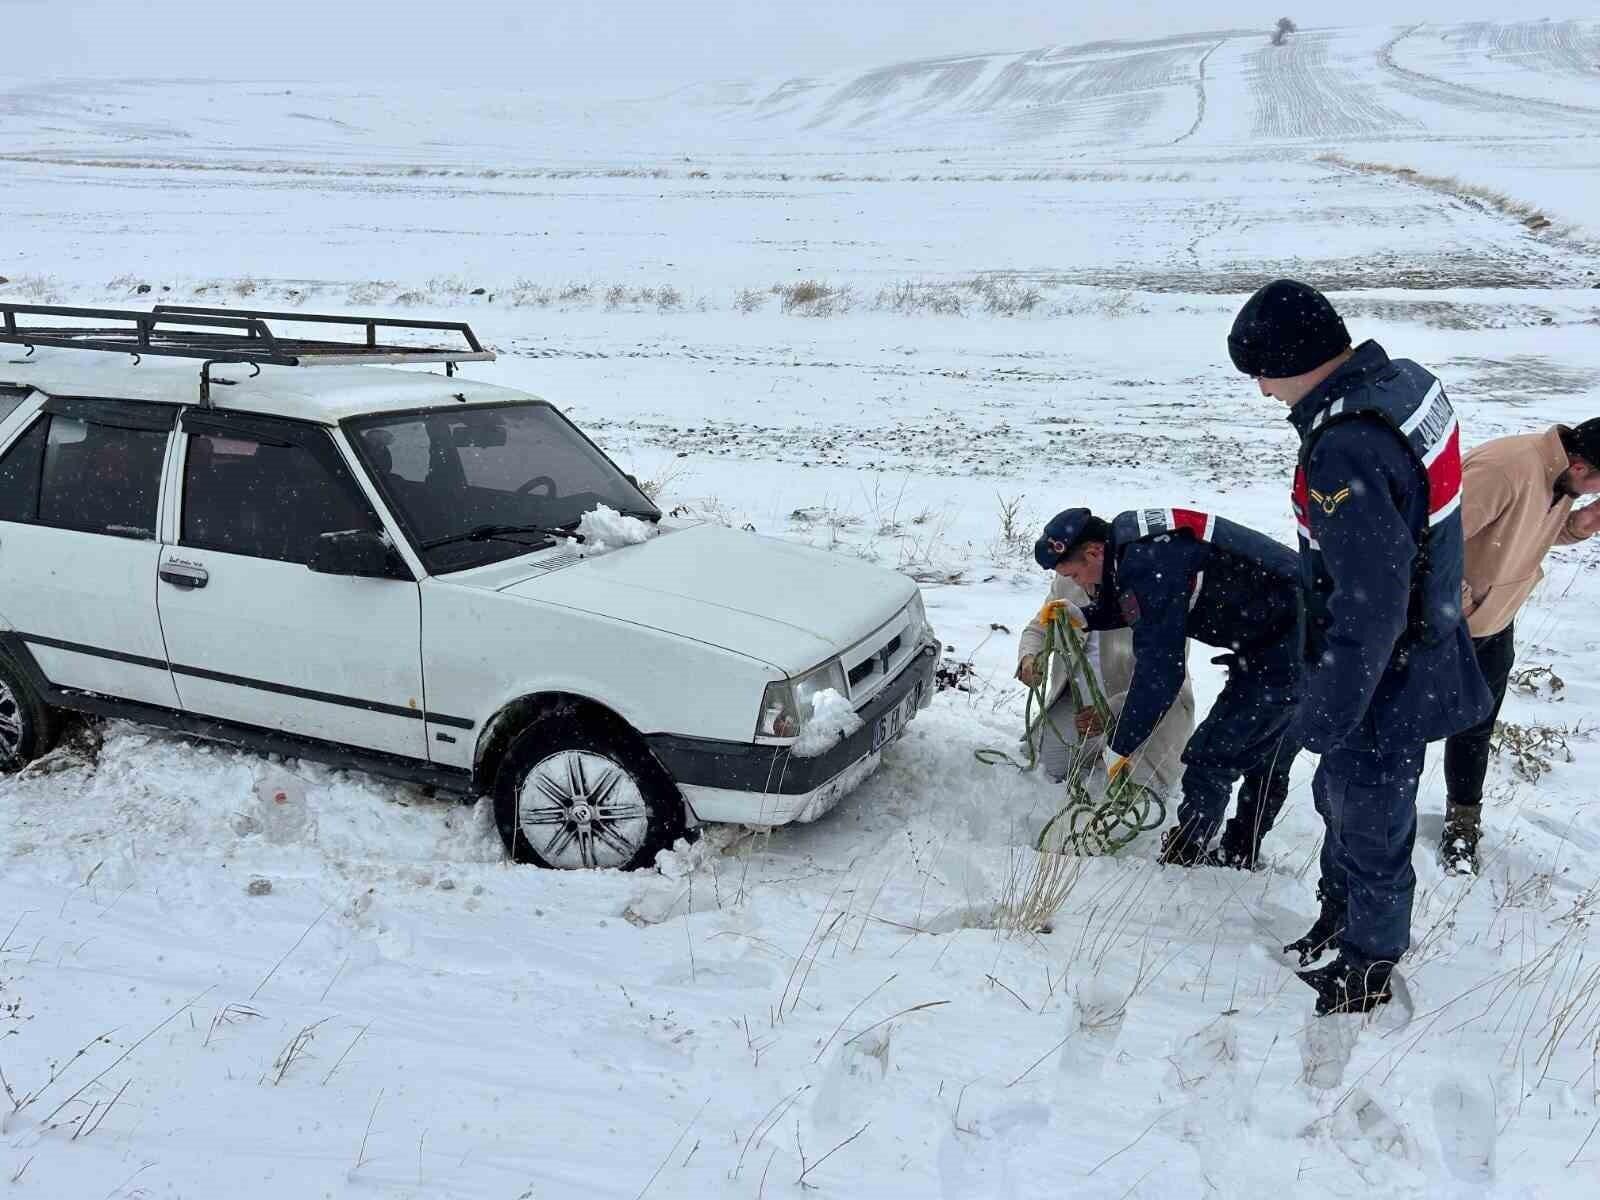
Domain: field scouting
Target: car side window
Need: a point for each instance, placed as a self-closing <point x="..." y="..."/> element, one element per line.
<point x="265" y="499"/>
<point x="19" y="475"/>
<point x="101" y="478"/>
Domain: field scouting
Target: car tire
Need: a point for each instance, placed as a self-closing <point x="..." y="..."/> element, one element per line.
<point x="578" y="789"/>
<point x="28" y="726"/>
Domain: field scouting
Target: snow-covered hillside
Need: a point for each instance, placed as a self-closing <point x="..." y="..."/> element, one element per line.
<point x="905" y="315"/>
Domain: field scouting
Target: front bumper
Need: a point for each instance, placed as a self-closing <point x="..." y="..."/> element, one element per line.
<point x="750" y="784"/>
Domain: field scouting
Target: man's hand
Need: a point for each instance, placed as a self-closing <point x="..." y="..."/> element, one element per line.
<point x="1028" y="671"/>
<point x="1088" y="722"/>
<point x="1585" y="521"/>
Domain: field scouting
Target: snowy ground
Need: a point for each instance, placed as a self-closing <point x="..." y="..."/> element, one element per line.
<point x="1026" y="269"/>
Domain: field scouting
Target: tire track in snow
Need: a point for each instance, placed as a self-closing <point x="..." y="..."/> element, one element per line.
<point x="1462" y="95"/>
<point x="1200" y="92"/>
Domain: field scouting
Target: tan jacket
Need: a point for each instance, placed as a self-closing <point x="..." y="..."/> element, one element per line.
<point x="1509" y="523"/>
<point x="1157" y="763"/>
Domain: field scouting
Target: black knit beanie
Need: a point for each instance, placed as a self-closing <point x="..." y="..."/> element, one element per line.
<point x="1287" y="328"/>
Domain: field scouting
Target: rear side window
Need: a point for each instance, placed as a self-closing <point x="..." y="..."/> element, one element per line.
<point x="19" y="475"/>
<point x="101" y="478"/>
<point x="265" y="499"/>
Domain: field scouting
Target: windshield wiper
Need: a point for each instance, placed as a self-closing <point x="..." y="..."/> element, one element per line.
<point x="502" y="533"/>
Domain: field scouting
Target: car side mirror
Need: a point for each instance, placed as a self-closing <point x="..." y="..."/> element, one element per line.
<point x="358" y="552"/>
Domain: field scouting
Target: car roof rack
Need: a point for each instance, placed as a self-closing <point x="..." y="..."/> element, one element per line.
<point x="230" y="335"/>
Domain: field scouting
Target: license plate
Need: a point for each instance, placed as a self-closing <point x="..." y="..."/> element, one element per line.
<point x="893" y="723"/>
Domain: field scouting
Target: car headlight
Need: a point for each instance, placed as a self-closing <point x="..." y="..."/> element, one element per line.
<point x="786" y="705"/>
<point x="919" y="619"/>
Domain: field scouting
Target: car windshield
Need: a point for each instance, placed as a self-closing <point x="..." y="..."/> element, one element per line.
<point x="476" y="485"/>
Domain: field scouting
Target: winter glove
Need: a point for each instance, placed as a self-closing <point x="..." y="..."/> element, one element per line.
<point x="1057" y="608"/>
<point x="1120" y="787"/>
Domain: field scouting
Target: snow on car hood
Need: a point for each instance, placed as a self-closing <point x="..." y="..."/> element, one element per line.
<point x="787" y="605"/>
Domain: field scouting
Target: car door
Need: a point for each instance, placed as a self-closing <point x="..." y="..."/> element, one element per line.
<point x="254" y="635"/>
<point x="79" y="494"/>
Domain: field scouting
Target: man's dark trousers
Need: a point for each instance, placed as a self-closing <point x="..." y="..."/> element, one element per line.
<point x="1466" y="755"/>
<point x="1263" y="791"/>
<point x="1243" y="733"/>
<point x="1368" y="801"/>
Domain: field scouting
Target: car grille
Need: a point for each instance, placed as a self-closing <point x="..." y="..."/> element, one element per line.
<point x="871" y="663"/>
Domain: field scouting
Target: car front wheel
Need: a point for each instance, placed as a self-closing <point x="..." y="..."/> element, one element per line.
<point x="27" y="724"/>
<point x="578" y="791"/>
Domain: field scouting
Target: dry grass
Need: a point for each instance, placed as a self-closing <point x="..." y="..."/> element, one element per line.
<point x="992" y="295"/>
<point x="1533" y="218"/>
<point x="996" y="296"/>
<point x="640" y="171"/>
<point x="1037" y="884"/>
<point x="813" y="298"/>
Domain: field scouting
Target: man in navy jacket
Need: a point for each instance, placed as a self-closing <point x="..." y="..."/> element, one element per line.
<point x="1175" y="574"/>
<point x="1377" y="495"/>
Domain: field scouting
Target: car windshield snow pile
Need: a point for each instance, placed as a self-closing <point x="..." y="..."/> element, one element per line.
<point x="474" y="485"/>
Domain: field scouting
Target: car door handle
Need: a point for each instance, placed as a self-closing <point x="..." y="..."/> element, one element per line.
<point x="187" y="578"/>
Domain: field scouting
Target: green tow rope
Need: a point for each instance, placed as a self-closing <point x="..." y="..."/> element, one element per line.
<point x="1127" y="809"/>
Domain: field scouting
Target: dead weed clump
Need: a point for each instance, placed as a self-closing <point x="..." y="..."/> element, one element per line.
<point x="1533" y="749"/>
<point x="995" y="296"/>
<point x="813" y="298"/>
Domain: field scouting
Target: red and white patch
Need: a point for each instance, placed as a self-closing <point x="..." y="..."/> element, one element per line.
<point x="1177" y="520"/>
<point x="1300" y="501"/>
<point x="1435" y="435"/>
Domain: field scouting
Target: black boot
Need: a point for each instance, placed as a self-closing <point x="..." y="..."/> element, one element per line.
<point x="1349" y="984"/>
<point x="1238" y="847"/>
<point x="1178" y="849"/>
<point x="1458" y="847"/>
<point x="1322" y="935"/>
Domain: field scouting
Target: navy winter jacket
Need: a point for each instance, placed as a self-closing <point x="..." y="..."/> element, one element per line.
<point x="1238" y="592"/>
<point x="1383" y="668"/>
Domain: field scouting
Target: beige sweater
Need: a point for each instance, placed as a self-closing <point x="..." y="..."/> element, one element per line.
<point x="1510" y="523"/>
<point x="1111" y="654"/>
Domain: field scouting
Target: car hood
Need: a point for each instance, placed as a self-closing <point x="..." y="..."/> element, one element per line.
<point x="787" y="605"/>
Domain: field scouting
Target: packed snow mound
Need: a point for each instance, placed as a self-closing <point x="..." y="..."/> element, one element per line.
<point x="832" y="718"/>
<point x="605" y="530"/>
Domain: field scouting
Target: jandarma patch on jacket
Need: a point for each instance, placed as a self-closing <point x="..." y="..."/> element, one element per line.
<point x="1129" y="603"/>
<point x="1330" y="503"/>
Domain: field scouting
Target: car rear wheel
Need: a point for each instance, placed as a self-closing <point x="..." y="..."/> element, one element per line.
<point x="578" y="790"/>
<point x="27" y="725"/>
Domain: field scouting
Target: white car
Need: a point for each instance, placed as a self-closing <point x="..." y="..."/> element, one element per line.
<point x="380" y="568"/>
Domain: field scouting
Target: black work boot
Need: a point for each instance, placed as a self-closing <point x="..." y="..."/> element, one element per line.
<point x="1349" y="984"/>
<point x="1178" y="849"/>
<point x="1458" y="846"/>
<point x="1322" y="935"/>
<point x="1238" y="847"/>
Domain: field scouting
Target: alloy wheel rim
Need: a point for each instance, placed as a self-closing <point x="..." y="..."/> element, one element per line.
<point x="579" y="809"/>
<point x="10" y="725"/>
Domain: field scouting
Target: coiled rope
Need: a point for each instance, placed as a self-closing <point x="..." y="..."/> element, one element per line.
<point x="1127" y="809"/>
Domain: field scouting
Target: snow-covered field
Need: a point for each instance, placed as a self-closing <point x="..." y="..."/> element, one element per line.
<point x="906" y="315"/>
